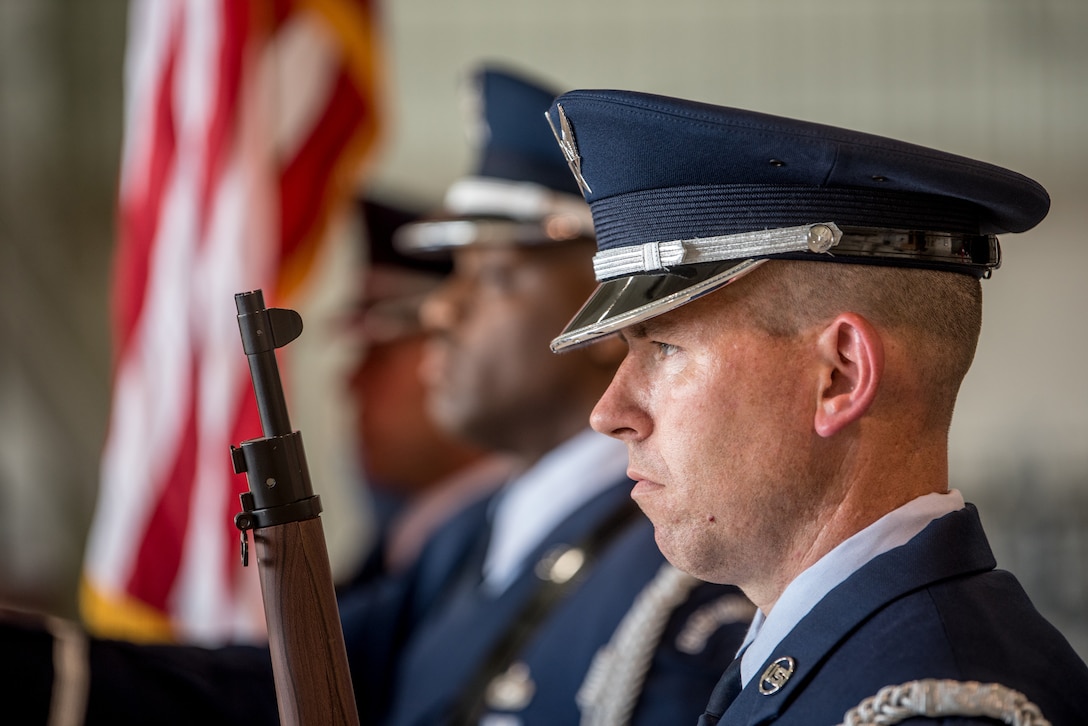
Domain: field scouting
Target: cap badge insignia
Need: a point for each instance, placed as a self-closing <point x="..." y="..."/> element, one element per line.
<point x="565" y="136"/>
<point x="776" y="675"/>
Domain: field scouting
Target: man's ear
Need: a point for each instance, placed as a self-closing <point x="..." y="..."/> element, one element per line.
<point x="852" y="354"/>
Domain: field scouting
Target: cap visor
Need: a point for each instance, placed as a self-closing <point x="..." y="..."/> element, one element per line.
<point x="615" y="304"/>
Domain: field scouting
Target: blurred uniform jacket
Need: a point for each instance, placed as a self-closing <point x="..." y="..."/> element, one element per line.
<point x="415" y="643"/>
<point x="416" y="640"/>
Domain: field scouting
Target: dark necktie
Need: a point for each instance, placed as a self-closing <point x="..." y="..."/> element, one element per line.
<point x="727" y="690"/>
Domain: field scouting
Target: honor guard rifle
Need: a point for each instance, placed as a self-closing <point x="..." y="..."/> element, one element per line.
<point x="309" y="660"/>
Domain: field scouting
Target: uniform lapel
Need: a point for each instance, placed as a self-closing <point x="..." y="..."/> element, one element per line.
<point x="468" y="620"/>
<point x="951" y="546"/>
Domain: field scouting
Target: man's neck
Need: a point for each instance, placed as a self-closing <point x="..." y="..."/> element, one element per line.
<point x="857" y="510"/>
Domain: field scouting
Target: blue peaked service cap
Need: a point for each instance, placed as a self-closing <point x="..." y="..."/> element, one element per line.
<point x="521" y="190"/>
<point x="687" y="197"/>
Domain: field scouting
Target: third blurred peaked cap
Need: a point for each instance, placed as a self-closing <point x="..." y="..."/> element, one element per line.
<point x="521" y="191"/>
<point x="687" y="197"/>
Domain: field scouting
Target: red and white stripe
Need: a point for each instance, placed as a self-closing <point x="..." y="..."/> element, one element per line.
<point x="246" y="122"/>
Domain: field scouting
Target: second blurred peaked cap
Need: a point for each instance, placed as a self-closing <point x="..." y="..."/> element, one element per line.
<point x="392" y="285"/>
<point x="687" y="197"/>
<point x="521" y="191"/>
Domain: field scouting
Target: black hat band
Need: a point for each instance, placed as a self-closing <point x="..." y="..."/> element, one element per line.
<point x="690" y="212"/>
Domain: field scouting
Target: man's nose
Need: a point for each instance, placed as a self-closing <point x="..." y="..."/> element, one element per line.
<point x="618" y="413"/>
<point x="441" y="309"/>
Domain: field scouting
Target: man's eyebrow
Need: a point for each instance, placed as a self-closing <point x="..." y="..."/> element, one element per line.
<point x="647" y="329"/>
<point x="637" y="330"/>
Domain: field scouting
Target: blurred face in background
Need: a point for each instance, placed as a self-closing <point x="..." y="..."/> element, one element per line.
<point x="402" y="449"/>
<point x="491" y="375"/>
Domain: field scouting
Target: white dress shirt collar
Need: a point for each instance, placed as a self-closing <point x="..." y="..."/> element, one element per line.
<point x="890" y="531"/>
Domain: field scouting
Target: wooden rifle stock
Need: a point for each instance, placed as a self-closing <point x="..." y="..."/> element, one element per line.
<point x="309" y="660"/>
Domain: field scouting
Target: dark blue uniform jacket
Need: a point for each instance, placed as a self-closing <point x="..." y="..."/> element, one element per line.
<point x="933" y="608"/>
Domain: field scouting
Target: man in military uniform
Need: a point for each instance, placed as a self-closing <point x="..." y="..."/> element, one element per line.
<point x="800" y="304"/>
<point x="416" y="474"/>
<point x="546" y="602"/>
<point x="504" y="619"/>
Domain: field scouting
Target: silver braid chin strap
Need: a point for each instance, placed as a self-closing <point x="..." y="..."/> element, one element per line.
<point x="937" y="698"/>
<point x="614" y="681"/>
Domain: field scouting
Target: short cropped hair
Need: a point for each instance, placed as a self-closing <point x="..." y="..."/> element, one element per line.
<point x="938" y="313"/>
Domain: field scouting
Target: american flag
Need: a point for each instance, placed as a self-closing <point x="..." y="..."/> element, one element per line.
<point x="245" y="126"/>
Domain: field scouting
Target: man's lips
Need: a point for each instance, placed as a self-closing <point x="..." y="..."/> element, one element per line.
<point x="643" y="484"/>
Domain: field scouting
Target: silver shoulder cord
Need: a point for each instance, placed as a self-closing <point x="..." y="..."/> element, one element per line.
<point x="939" y="698"/>
<point x="614" y="680"/>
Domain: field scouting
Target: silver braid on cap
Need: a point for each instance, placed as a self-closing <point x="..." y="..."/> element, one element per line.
<point x="939" y="698"/>
<point x="614" y="681"/>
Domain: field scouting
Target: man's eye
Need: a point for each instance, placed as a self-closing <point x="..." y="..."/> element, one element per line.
<point x="666" y="349"/>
